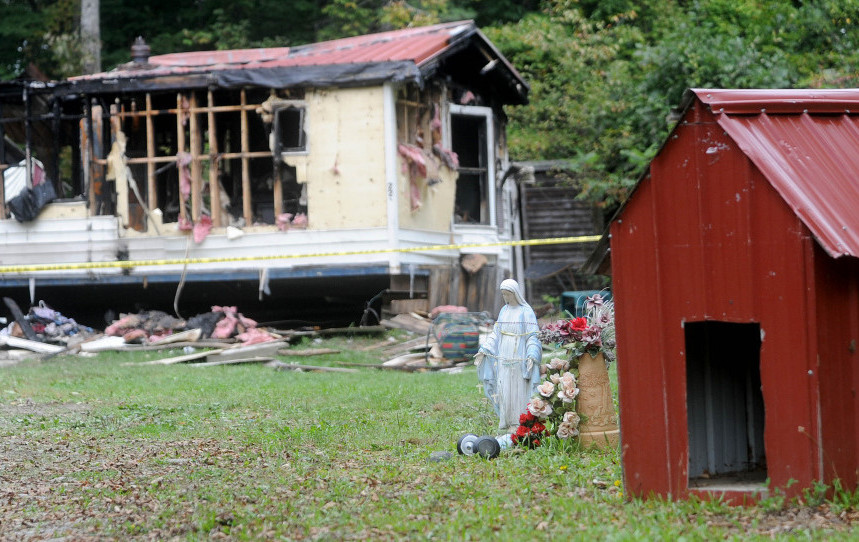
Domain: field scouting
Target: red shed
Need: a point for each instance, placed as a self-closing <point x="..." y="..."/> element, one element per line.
<point x="736" y="282"/>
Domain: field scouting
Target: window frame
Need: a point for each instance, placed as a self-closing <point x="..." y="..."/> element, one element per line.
<point x="487" y="114"/>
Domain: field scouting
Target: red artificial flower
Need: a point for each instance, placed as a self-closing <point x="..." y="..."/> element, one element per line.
<point x="538" y="428"/>
<point x="537" y="442"/>
<point x="514" y="438"/>
<point x="526" y="418"/>
<point x="579" y="324"/>
<point x="522" y="431"/>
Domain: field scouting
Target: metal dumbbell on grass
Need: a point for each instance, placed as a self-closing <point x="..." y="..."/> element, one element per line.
<point x="486" y="446"/>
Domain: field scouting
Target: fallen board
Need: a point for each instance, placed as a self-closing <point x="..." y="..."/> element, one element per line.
<point x="408" y="322"/>
<point x="232" y="362"/>
<point x="266" y="349"/>
<point x="404" y="359"/>
<point x="308" y="352"/>
<point x="280" y="366"/>
<point x="179" y="359"/>
<point x="35" y="346"/>
<point x="190" y="335"/>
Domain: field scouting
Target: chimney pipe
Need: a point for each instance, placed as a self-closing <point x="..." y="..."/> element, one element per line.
<point x="140" y="51"/>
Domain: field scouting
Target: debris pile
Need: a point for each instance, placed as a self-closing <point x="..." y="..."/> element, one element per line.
<point x="221" y="323"/>
<point x="44" y="324"/>
<point x="224" y="336"/>
<point x="438" y="346"/>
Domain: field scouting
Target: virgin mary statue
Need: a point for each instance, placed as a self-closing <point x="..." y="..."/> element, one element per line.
<point x="508" y="362"/>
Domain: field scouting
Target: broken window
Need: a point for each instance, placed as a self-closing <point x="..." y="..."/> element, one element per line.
<point x="472" y="140"/>
<point x="289" y="130"/>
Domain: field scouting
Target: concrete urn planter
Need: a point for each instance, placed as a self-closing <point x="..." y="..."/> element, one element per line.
<point x="594" y="404"/>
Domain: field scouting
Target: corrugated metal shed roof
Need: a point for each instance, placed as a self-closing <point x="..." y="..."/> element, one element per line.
<point x="419" y="45"/>
<point x="806" y="143"/>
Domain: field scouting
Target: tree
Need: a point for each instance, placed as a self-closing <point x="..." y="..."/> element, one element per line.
<point x="90" y="36"/>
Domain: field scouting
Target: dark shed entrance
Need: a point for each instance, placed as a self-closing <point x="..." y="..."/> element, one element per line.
<point x="724" y="403"/>
<point x="735" y="267"/>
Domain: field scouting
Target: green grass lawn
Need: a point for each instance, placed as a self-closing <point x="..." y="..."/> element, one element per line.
<point x="93" y="448"/>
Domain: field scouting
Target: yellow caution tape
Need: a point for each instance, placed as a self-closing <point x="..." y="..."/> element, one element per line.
<point x="128" y="264"/>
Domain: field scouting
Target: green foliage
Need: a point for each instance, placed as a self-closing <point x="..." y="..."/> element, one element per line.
<point x="604" y="74"/>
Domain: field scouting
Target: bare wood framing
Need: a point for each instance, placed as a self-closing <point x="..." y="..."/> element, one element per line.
<point x="151" y="193"/>
<point x="278" y="190"/>
<point x="214" y="109"/>
<point x="180" y="148"/>
<point x="166" y="159"/>
<point x="196" y="166"/>
<point x="90" y="146"/>
<point x="246" y="174"/>
<point x="214" y="192"/>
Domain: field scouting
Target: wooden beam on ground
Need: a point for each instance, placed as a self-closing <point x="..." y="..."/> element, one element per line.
<point x="407" y="368"/>
<point x="35" y="346"/>
<point x="179" y="359"/>
<point x="404" y="359"/>
<point x="409" y="323"/>
<point x="189" y="335"/>
<point x="280" y="366"/>
<point x="266" y="349"/>
<point x="378" y="345"/>
<point x="359" y="330"/>
<point x="308" y="352"/>
<point x="208" y="343"/>
<point x="260" y="359"/>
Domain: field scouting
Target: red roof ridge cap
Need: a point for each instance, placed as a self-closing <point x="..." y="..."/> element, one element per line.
<point x="753" y="101"/>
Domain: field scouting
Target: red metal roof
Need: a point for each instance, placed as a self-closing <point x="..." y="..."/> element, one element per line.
<point x="806" y="143"/>
<point x="411" y="44"/>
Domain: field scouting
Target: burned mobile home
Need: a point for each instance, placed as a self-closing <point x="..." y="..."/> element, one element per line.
<point x="266" y="176"/>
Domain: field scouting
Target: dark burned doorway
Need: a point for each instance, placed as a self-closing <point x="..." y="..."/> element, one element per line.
<point x="471" y="140"/>
<point x="724" y="402"/>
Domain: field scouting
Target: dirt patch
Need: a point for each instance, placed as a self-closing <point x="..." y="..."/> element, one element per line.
<point x="26" y="412"/>
<point x="53" y="488"/>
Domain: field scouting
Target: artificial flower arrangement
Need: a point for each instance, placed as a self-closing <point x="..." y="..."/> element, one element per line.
<point x="530" y="431"/>
<point x="553" y="408"/>
<point x="592" y="333"/>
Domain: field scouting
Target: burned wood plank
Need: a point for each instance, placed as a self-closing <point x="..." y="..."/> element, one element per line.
<point x="20" y="319"/>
